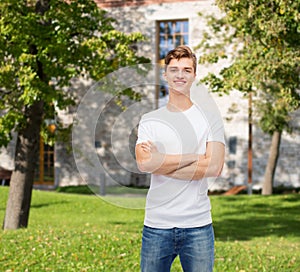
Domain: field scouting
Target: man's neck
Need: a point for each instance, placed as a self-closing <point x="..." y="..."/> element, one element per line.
<point x="179" y="103"/>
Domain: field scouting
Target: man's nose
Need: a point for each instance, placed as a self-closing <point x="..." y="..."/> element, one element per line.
<point x="179" y="73"/>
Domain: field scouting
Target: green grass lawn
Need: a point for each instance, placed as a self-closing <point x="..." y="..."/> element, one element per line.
<point x="71" y="232"/>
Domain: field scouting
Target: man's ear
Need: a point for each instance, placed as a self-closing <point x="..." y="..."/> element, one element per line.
<point x="195" y="75"/>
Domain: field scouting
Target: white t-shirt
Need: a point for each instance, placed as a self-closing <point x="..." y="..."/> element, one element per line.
<point x="173" y="202"/>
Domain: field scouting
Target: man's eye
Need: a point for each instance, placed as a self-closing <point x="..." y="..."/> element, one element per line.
<point x="188" y="70"/>
<point x="173" y="70"/>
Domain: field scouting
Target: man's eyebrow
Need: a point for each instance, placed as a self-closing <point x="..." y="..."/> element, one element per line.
<point x="187" y="67"/>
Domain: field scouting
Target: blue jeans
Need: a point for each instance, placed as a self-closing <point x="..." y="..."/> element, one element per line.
<point x="195" y="247"/>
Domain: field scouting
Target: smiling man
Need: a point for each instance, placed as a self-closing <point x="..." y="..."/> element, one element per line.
<point x="178" y="146"/>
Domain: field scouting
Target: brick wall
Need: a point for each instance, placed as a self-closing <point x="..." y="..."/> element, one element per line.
<point x="130" y="3"/>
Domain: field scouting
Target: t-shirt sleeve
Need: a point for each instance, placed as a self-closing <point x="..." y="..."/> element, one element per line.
<point x="144" y="133"/>
<point x="216" y="129"/>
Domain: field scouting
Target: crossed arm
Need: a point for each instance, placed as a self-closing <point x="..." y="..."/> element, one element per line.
<point x="181" y="166"/>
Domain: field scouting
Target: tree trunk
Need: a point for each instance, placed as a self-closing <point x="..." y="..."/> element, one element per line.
<point x="18" y="204"/>
<point x="271" y="165"/>
<point x="26" y="156"/>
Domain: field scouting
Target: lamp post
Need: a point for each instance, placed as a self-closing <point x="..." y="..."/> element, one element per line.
<point x="250" y="155"/>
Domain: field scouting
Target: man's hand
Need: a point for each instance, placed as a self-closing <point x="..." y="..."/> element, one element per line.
<point x="149" y="147"/>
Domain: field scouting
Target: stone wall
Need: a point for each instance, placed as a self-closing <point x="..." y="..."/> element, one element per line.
<point x="141" y="16"/>
<point x="234" y="108"/>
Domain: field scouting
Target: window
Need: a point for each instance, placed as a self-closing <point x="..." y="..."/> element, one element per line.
<point x="170" y="34"/>
<point x="44" y="173"/>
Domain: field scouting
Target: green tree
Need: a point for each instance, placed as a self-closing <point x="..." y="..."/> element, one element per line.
<point x="260" y="39"/>
<point x="43" y="45"/>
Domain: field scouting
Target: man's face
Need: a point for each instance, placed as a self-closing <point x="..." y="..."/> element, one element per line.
<point x="180" y="75"/>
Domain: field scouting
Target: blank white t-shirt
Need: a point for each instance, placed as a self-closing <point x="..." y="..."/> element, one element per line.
<point x="172" y="202"/>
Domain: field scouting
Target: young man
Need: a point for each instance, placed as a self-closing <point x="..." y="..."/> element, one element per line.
<point x="180" y="147"/>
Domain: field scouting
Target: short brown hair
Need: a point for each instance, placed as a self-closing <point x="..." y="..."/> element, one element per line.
<point x="181" y="51"/>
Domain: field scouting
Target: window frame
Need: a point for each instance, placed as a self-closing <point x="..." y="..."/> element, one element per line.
<point x="174" y="34"/>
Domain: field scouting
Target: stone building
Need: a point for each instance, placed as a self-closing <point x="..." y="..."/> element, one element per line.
<point x="165" y="24"/>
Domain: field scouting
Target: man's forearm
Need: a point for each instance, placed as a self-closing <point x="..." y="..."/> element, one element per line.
<point x="181" y="166"/>
<point x="150" y="160"/>
<point x="210" y="165"/>
<point x="195" y="171"/>
<point x="163" y="164"/>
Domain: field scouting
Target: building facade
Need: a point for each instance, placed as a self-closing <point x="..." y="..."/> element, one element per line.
<point x="165" y="25"/>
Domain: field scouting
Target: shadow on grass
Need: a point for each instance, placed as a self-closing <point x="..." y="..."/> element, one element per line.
<point x="246" y="218"/>
<point x="38" y="206"/>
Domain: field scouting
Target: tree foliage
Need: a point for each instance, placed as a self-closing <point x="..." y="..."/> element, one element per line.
<point x="43" y="44"/>
<point x="261" y="40"/>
